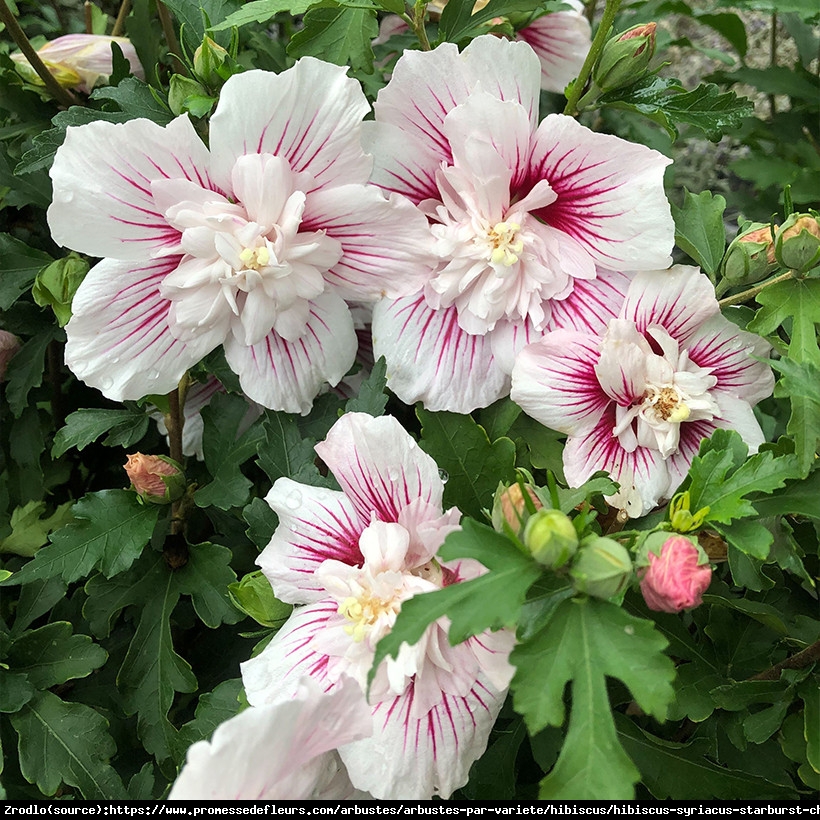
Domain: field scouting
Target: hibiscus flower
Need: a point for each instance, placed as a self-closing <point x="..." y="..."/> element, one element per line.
<point x="284" y="751"/>
<point x="524" y="217"/>
<point x="254" y="244"/>
<point x="352" y="558"/>
<point x="638" y="399"/>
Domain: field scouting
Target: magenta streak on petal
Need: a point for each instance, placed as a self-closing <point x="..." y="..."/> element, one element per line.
<point x="341" y="544"/>
<point x="434" y="135"/>
<point x="132" y="182"/>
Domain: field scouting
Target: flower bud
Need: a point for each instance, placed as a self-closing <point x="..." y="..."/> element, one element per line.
<point x="157" y="479"/>
<point x="209" y="60"/>
<point x="676" y="578"/>
<point x="254" y="596"/>
<point x="750" y="256"/>
<point x="625" y="58"/>
<point x="797" y="244"/>
<point x="680" y="517"/>
<point x="186" y="96"/>
<point x="510" y="507"/>
<point x="602" y="568"/>
<point x="57" y="283"/>
<point x="9" y="345"/>
<point x="79" y="61"/>
<point x="551" y="538"/>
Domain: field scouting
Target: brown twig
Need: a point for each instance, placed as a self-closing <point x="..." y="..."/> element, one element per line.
<point x="88" y="9"/>
<point x="799" y="661"/>
<point x="174" y="421"/>
<point x="62" y="95"/>
<point x="170" y="37"/>
<point x="119" y="23"/>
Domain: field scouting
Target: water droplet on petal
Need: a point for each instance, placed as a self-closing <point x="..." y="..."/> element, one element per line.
<point x="153" y="374"/>
<point x="293" y="500"/>
<point x="443" y="475"/>
<point x="393" y="474"/>
<point x="106" y="382"/>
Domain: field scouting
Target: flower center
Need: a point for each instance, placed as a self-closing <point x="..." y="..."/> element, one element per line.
<point x="255" y="258"/>
<point x="667" y="403"/>
<point x="365" y="611"/>
<point x="505" y="243"/>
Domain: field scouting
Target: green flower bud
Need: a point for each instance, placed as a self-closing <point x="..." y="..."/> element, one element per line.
<point x="253" y="596"/>
<point x="57" y="283"/>
<point x="625" y="58"/>
<point x="210" y="62"/>
<point x="156" y="479"/>
<point x="797" y="244"/>
<point x="681" y="519"/>
<point x="551" y="538"/>
<point x="602" y="568"/>
<point x="510" y="508"/>
<point x="186" y="96"/>
<point x="750" y="256"/>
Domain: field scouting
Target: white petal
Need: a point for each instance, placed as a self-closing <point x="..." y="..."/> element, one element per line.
<point x="610" y="194"/>
<point x="379" y="466"/>
<point x="642" y="473"/>
<point x="427" y="85"/>
<point x="591" y="303"/>
<point x="286" y="375"/>
<point x="387" y="244"/>
<point x="561" y="40"/>
<point x="432" y="360"/>
<point x="310" y="115"/>
<point x="727" y="351"/>
<point x="554" y="381"/>
<point x="622" y="366"/>
<point x="282" y="751"/>
<point x="411" y="757"/>
<point x="508" y="339"/>
<point x="102" y="174"/>
<point x="315" y="524"/>
<point x="119" y="339"/>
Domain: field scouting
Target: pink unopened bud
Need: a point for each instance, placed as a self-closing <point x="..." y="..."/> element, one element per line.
<point x="9" y="345"/>
<point x="157" y="479"/>
<point x="510" y="507"/>
<point x="676" y="579"/>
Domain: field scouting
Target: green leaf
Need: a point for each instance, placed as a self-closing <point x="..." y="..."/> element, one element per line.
<point x="371" y="397"/>
<point x="85" y="426"/>
<point x="683" y="771"/>
<point x="462" y="449"/>
<point x="797" y="300"/>
<point x="260" y="11"/>
<point x="111" y="529"/>
<point x="36" y="598"/>
<point x="52" y="654"/>
<point x="29" y="531"/>
<point x="136" y="99"/>
<point x="25" y="370"/>
<point x="337" y="34"/>
<point x="206" y="578"/>
<point x="262" y="522"/>
<point x="798" y="84"/>
<point x="491" y="601"/>
<point x="585" y="641"/>
<point x="737" y="696"/>
<point x="213" y="708"/>
<point x="19" y="267"/>
<point x="15" y="691"/>
<point x="731" y="26"/>
<point x="253" y="596"/>
<point x="666" y="102"/>
<point x="571" y="497"/>
<point x="226" y="449"/>
<point x="810" y="693"/>
<point x="66" y="743"/>
<point x="198" y="16"/>
<point x="284" y="453"/>
<point x="29" y="190"/>
<point x="459" y="22"/>
<point x="499" y="417"/>
<point x="152" y="670"/>
<point x="699" y="229"/>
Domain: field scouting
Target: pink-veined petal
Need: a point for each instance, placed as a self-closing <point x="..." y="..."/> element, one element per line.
<point x="679" y="300"/>
<point x="591" y="303"/>
<point x="432" y="360"/>
<point x="379" y="466"/>
<point x="119" y="339"/>
<point x="727" y="351"/>
<point x="281" y="751"/>
<point x="427" y="85"/>
<point x="387" y="244"/>
<point x="610" y="194"/>
<point x="621" y="368"/>
<point x="310" y="115"/>
<point x="402" y="162"/>
<point x="642" y="473"/>
<point x="286" y="375"/>
<point x="315" y="524"/>
<point x="102" y="203"/>
<point x="411" y="757"/>
<point x="554" y="381"/>
<point x="508" y="339"/>
<point x="561" y="40"/>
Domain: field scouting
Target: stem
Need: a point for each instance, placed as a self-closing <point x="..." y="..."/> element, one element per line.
<point x="799" y="661"/>
<point x="773" y="60"/>
<point x="62" y="95"/>
<point x="119" y="23"/>
<point x="170" y="37"/>
<point x="590" y="11"/>
<point x="740" y="298"/>
<point x="417" y="24"/>
<point x="174" y="421"/>
<point x="610" y="10"/>
<point x="54" y="377"/>
<point x="89" y="17"/>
